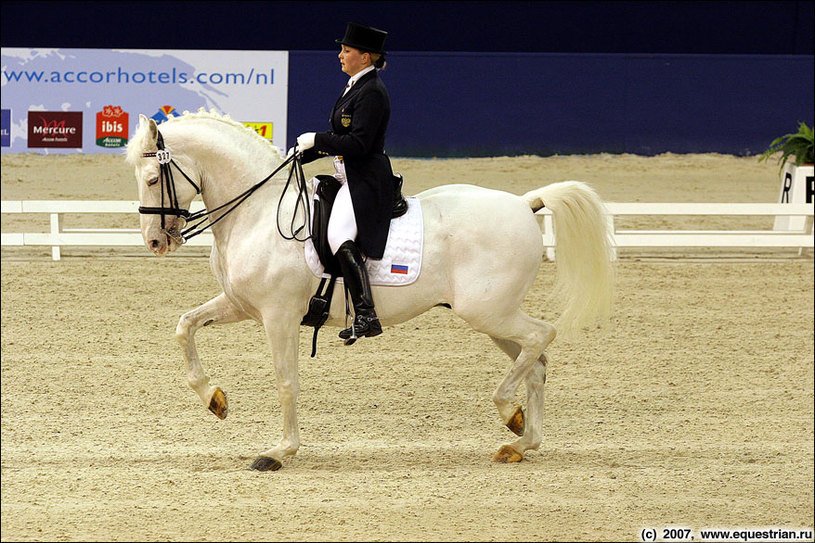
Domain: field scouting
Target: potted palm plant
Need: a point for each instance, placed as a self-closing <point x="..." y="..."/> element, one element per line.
<point x="799" y="145"/>
<point x="796" y="166"/>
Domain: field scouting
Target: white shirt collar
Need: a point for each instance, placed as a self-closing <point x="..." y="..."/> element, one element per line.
<point x="357" y="76"/>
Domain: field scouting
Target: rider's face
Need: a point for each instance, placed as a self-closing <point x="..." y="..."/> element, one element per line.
<point x="353" y="60"/>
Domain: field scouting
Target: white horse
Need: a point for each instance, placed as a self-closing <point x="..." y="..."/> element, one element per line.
<point x="482" y="251"/>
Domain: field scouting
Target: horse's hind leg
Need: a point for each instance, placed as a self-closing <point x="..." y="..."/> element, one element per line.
<point x="518" y="420"/>
<point x="218" y="310"/>
<point x="524" y="339"/>
<point x="528" y="425"/>
<point x="533" y="429"/>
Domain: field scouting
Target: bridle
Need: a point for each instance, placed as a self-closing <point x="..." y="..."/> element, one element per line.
<point x="165" y="161"/>
<point x="169" y="195"/>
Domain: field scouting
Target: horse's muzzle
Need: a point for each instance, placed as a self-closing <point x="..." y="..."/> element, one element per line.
<point x="161" y="241"/>
<point x="174" y="235"/>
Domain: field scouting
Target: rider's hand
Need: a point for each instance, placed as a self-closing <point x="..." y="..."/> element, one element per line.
<point x="306" y="141"/>
<point x="291" y="152"/>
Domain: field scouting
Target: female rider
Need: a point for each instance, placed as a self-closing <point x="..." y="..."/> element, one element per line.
<point x="360" y="217"/>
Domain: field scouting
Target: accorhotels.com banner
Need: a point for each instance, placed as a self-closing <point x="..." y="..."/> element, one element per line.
<point x="89" y="100"/>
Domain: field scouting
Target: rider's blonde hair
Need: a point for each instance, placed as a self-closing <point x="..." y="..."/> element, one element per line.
<point x="377" y="60"/>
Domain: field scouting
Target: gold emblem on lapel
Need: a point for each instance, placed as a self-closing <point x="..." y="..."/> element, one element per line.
<point x="345" y="120"/>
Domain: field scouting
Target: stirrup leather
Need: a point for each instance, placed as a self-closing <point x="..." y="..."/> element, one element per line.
<point x="319" y="309"/>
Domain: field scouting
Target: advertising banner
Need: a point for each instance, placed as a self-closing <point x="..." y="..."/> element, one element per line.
<point x="89" y="100"/>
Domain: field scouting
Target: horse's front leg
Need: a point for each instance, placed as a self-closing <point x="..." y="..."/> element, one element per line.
<point x="218" y="310"/>
<point x="283" y="333"/>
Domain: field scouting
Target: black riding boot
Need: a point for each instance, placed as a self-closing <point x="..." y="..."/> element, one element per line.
<point x="366" y="323"/>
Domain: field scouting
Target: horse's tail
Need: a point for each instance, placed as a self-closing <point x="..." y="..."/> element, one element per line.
<point x="584" y="252"/>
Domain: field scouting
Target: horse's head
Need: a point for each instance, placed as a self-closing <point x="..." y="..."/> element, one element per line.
<point x="163" y="201"/>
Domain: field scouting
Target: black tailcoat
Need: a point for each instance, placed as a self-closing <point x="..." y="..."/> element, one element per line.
<point x="358" y="124"/>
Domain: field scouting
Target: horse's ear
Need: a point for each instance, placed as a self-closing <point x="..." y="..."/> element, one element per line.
<point x="151" y="126"/>
<point x="153" y="130"/>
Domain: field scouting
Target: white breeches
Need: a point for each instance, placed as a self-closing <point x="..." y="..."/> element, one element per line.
<point x="342" y="225"/>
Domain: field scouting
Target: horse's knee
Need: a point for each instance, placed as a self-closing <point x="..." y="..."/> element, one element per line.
<point x="187" y="325"/>
<point x="287" y="390"/>
<point x="182" y="329"/>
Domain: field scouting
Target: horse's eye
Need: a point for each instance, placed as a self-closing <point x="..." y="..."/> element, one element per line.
<point x="152" y="182"/>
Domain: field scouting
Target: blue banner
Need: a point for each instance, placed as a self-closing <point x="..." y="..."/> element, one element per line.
<point x="88" y="100"/>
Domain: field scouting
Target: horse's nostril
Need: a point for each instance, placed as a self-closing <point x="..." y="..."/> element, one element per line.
<point x="154" y="244"/>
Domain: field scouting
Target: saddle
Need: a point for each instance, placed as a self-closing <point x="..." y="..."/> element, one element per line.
<point x="322" y="204"/>
<point x="320" y="304"/>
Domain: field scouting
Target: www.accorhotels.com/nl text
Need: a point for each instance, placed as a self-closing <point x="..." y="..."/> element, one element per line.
<point x="724" y="534"/>
<point x="120" y="76"/>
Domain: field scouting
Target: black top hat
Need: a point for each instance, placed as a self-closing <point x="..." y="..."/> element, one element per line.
<point x="365" y="38"/>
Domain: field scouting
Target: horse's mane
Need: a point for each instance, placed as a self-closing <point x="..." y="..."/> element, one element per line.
<point x="136" y="143"/>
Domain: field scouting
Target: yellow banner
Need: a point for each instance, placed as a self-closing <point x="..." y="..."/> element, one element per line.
<point x="264" y="129"/>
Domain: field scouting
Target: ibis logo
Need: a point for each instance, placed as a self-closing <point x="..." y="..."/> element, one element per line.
<point x="62" y="129"/>
<point x="111" y="127"/>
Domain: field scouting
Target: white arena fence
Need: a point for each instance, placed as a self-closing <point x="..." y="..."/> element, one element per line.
<point x="798" y="238"/>
<point x="58" y="236"/>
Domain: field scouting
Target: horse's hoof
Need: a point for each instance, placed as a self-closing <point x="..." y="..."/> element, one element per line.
<point x="507" y="454"/>
<point x="516" y="422"/>
<point x="265" y="463"/>
<point x="217" y="404"/>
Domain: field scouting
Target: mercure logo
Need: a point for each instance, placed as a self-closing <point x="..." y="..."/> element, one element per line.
<point x="62" y="129"/>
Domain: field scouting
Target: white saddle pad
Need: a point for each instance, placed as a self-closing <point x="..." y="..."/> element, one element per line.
<point x="402" y="261"/>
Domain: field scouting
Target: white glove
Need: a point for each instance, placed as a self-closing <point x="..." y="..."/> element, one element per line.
<point x="306" y="141"/>
<point x="290" y="153"/>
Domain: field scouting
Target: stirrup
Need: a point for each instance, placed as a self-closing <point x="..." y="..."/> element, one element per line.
<point x="351" y="340"/>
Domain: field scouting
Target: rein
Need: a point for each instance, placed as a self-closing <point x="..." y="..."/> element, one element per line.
<point x="166" y="162"/>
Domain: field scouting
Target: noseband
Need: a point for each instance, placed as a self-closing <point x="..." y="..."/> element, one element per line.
<point x="168" y="192"/>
